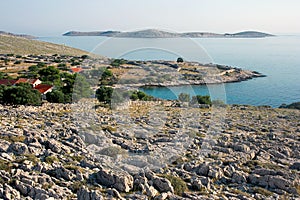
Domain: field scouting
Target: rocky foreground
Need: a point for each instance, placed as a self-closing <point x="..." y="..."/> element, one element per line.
<point x="149" y="150"/>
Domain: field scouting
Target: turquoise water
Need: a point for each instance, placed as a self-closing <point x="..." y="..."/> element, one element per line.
<point x="276" y="57"/>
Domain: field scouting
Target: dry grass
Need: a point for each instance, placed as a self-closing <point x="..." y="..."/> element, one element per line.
<point x="22" y="46"/>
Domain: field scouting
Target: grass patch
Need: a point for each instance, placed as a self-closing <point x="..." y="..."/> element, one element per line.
<point x="47" y="186"/>
<point x="239" y="192"/>
<point x="262" y="191"/>
<point x="298" y="189"/>
<point x="110" y="129"/>
<point x="112" y="151"/>
<point x="51" y="159"/>
<point x="73" y="168"/>
<point x="29" y="157"/>
<point x="5" y="165"/>
<point x="12" y="138"/>
<point x="252" y="164"/>
<point x="77" y="158"/>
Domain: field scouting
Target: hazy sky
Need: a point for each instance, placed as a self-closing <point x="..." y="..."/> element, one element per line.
<point x="54" y="17"/>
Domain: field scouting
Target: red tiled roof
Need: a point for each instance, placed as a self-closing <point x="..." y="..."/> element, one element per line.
<point x="26" y="80"/>
<point x="76" y="69"/>
<point x="7" y="82"/>
<point x="42" y="88"/>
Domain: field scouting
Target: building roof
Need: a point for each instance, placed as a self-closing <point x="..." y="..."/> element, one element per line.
<point x="43" y="88"/>
<point x="76" y="69"/>
<point x="26" y="80"/>
<point x="7" y="82"/>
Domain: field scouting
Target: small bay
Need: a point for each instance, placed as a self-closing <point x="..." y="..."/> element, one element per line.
<point x="277" y="57"/>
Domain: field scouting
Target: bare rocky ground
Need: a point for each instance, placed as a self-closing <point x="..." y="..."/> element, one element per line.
<point x="149" y="150"/>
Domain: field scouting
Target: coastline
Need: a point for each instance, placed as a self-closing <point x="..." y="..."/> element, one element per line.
<point x="172" y="74"/>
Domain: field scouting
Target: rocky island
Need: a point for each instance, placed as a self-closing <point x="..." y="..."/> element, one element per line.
<point x="154" y="33"/>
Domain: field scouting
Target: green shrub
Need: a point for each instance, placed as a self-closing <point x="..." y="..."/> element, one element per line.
<point x="56" y="96"/>
<point x="201" y="99"/>
<point x="139" y="95"/>
<point x="118" y="62"/>
<point x="183" y="97"/>
<point x="179" y="60"/>
<point x="178" y="184"/>
<point x="104" y="94"/>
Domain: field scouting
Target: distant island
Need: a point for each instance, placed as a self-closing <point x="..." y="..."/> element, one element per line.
<point x="153" y="33"/>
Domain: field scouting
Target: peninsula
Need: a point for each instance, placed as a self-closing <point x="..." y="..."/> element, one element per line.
<point x="154" y="33"/>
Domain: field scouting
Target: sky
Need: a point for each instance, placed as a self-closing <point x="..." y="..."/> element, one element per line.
<point x="55" y="17"/>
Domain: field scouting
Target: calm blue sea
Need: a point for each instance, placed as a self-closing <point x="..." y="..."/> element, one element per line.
<point x="277" y="57"/>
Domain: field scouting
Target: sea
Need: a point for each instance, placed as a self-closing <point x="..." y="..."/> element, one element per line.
<point x="276" y="57"/>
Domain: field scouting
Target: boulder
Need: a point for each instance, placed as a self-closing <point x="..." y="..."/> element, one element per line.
<point x="241" y="147"/>
<point x="162" y="184"/>
<point x="4" y="145"/>
<point x="295" y="166"/>
<point x="18" y="148"/>
<point x="120" y="180"/>
<point x="53" y="145"/>
<point x="85" y="194"/>
<point x="114" y="193"/>
<point x="239" y="177"/>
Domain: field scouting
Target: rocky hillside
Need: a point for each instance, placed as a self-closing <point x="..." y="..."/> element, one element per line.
<point x="17" y="35"/>
<point x="149" y="150"/>
<point x="19" y="45"/>
<point x="153" y="33"/>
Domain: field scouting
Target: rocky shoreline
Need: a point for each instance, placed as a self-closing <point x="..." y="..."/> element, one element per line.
<point x="137" y="74"/>
<point x="145" y="150"/>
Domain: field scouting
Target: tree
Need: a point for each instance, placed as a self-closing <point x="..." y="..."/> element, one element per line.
<point x="49" y="74"/>
<point x="107" y="77"/>
<point x="118" y="62"/>
<point x="179" y="60"/>
<point x="183" y="97"/>
<point x="22" y="94"/>
<point x="2" y="89"/>
<point x="139" y="95"/>
<point x="56" y="96"/>
<point x="104" y="94"/>
<point x="2" y="75"/>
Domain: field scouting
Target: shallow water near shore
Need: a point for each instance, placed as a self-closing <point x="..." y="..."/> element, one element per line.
<point x="276" y="57"/>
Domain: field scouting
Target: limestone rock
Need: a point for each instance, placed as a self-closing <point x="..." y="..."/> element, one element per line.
<point x="120" y="180"/>
<point x="18" y="148"/>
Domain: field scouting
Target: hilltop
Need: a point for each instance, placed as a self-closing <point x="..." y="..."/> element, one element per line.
<point x="11" y="44"/>
<point x="153" y="33"/>
<point x="17" y="35"/>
